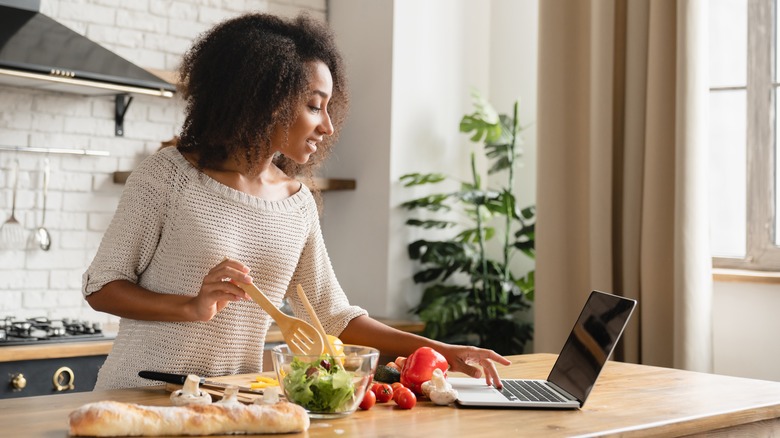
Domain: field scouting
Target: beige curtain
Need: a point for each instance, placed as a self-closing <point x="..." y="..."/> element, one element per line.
<point x="622" y="188"/>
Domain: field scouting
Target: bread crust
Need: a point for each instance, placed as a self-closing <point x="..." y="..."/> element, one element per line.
<point x="110" y="418"/>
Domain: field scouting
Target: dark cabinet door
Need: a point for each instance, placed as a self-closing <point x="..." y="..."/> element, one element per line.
<point x="49" y="376"/>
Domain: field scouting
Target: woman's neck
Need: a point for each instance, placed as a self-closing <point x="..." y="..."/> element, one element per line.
<point x="264" y="180"/>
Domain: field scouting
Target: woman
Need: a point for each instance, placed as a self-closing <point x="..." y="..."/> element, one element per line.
<point x="265" y="99"/>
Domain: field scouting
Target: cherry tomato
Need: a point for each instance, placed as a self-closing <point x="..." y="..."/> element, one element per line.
<point x="383" y="391"/>
<point x="369" y="399"/>
<point x="406" y="399"/>
<point x="396" y="387"/>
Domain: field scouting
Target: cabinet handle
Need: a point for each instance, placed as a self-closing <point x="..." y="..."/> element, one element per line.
<point x="59" y="379"/>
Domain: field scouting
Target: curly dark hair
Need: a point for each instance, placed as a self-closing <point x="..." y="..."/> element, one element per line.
<point x="248" y="75"/>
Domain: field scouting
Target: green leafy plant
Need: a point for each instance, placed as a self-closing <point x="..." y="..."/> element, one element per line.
<point x="472" y="297"/>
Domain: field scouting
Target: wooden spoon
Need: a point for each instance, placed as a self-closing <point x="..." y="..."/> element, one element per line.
<point x="301" y="337"/>
<point x="316" y="321"/>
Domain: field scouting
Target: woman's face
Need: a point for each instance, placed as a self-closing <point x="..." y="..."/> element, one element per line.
<point x="312" y="122"/>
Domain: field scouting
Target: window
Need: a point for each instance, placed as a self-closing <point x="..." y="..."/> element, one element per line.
<point x="743" y="84"/>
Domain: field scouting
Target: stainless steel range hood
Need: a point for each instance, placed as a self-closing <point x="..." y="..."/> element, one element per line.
<point x="38" y="52"/>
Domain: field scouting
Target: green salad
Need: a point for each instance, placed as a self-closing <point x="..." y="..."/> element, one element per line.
<point x="323" y="386"/>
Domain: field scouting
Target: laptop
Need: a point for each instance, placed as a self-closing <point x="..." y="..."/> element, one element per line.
<point x="590" y="344"/>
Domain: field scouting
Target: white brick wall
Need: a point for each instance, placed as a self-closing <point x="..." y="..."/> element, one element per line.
<point x="82" y="195"/>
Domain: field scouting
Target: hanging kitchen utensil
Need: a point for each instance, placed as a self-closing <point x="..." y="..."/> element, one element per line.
<point x="42" y="236"/>
<point x="301" y="337"/>
<point x="12" y="234"/>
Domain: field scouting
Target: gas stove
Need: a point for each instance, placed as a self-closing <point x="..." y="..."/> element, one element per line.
<point x="16" y="331"/>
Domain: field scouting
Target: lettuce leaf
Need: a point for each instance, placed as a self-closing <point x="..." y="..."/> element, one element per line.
<point x="320" y="386"/>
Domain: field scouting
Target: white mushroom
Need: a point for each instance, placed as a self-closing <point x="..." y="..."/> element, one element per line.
<point x="230" y="397"/>
<point x="441" y="392"/>
<point x="190" y="393"/>
<point x="426" y="388"/>
<point x="270" y="396"/>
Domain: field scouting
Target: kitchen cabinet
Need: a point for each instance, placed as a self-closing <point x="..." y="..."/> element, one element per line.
<point x="46" y="369"/>
<point x="50" y="376"/>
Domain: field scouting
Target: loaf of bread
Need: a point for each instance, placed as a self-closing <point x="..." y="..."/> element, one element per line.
<point x="110" y="418"/>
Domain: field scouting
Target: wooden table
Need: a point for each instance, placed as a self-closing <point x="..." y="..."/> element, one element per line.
<point x="628" y="400"/>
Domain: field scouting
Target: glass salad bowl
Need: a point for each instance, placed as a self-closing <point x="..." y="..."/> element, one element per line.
<point x="324" y="385"/>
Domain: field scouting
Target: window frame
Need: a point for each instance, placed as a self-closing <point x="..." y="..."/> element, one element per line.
<point x="761" y="253"/>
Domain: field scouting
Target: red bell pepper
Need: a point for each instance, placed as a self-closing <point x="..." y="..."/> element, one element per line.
<point x="419" y="367"/>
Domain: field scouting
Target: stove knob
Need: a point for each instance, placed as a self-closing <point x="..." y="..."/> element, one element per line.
<point x="18" y="382"/>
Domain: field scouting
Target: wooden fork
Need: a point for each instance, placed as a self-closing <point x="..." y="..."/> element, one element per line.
<point x="301" y="337"/>
<point x="316" y="320"/>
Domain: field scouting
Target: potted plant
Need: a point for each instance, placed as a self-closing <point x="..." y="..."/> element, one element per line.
<point x="472" y="297"/>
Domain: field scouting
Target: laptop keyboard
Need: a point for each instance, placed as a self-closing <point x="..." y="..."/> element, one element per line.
<point x="525" y="390"/>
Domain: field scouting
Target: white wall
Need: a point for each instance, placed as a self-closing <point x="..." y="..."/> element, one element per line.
<point x="746" y="328"/>
<point x="441" y="51"/>
<point x="434" y="53"/>
<point x="355" y="222"/>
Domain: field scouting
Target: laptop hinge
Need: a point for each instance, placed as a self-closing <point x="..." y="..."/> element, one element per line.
<point x="564" y="393"/>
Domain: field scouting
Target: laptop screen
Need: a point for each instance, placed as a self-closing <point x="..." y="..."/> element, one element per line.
<point x="590" y="343"/>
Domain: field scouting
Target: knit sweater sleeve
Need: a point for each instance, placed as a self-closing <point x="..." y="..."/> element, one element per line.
<point x="133" y="235"/>
<point x="315" y="274"/>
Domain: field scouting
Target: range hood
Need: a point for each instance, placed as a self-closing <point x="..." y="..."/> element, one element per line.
<point x="38" y="52"/>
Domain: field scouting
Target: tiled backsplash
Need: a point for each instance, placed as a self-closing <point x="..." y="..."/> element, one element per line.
<point x="82" y="196"/>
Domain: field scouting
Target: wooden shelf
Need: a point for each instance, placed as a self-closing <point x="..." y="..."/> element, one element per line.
<point x="324" y="184"/>
<point x="331" y="184"/>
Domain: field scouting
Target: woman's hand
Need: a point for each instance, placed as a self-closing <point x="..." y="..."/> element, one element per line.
<point x="473" y="361"/>
<point x="219" y="288"/>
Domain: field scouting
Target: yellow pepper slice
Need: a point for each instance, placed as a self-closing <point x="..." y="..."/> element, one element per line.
<point x="263" y="382"/>
<point x="338" y="346"/>
<point x="266" y="379"/>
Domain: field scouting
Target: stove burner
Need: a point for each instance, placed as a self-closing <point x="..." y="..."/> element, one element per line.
<point x="41" y="329"/>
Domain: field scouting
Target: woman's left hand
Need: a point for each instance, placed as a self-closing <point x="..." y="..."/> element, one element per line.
<point x="474" y="361"/>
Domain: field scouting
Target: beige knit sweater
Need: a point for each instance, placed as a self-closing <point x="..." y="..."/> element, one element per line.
<point x="173" y="224"/>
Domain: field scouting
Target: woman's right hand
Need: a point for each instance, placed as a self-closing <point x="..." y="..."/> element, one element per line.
<point x="219" y="288"/>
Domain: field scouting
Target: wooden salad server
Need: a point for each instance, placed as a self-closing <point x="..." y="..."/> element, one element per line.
<point x="301" y="337"/>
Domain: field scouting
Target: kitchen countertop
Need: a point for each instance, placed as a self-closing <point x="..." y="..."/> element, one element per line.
<point x="102" y="347"/>
<point x="628" y="400"/>
<point x="60" y="350"/>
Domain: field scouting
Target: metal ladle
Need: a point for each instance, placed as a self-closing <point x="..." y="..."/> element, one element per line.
<point x="42" y="236"/>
